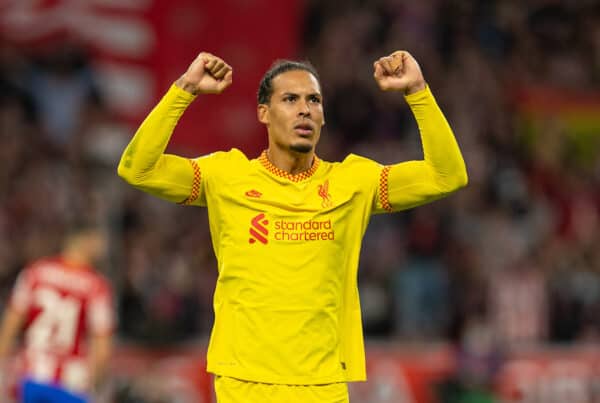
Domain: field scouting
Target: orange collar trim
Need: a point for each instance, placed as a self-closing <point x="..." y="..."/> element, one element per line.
<point x="264" y="160"/>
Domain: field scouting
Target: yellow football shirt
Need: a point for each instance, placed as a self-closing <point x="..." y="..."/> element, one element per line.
<point x="286" y="302"/>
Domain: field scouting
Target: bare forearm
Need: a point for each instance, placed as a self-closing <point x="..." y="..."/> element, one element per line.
<point x="11" y="323"/>
<point x="99" y="359"/>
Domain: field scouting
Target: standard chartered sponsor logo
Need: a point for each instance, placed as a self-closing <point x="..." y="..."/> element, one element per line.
<point x="262" y="229"/>
<point x="309" y="230"/>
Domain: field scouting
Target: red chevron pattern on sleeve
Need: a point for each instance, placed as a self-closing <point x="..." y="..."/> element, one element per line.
<point x="383" y="189"/>
<point x="195" y="193"/>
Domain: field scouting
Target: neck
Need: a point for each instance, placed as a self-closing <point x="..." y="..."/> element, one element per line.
<point x="75" y="257"/>
<point x="290" y="161"/>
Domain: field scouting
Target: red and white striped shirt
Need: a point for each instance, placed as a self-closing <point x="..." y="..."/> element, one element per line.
<point x="63" y="306"/>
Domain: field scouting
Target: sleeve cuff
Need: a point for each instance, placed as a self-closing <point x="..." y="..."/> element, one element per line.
<point x="419" y="96"/>
<point x="181" y="93"/>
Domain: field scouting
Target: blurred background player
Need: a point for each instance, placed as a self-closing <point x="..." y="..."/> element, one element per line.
<point x="65" y="309"/>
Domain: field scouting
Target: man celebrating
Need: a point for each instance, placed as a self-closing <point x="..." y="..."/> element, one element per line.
<point x="287" y="226"/>
<point x="66" y="310"/>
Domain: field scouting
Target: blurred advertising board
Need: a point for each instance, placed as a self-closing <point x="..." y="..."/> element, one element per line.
<point x="397" y="374"/>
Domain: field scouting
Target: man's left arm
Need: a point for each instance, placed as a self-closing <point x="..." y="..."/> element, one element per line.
<point x="101" y="324"/>
<point x="442" y="171"/>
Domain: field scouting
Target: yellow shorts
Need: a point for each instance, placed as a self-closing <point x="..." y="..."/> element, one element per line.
<point x="231" y="390"/>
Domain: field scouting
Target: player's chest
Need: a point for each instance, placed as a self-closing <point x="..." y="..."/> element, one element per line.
<point x="263" y="211"/>
<point x="308" y="197"/>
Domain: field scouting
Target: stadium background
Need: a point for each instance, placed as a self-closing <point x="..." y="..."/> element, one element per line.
<point x="494" y="291"/>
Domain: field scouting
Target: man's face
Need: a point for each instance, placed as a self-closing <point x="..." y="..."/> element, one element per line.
<point x="294" y="116"/>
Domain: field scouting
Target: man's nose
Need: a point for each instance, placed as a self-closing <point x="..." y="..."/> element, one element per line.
<point x="304" y="109"/>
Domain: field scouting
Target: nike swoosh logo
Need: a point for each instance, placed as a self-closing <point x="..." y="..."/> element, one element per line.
<point x="253" y="193"/>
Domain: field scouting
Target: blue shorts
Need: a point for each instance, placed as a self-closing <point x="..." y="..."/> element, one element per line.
<point x="33" y="392"/>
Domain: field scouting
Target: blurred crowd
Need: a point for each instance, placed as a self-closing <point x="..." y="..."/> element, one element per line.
<point x="60" y="148"/>
<point x="510" y="260"/>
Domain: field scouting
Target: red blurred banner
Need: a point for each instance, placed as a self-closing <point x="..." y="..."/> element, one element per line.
<point x="141" y="46"/>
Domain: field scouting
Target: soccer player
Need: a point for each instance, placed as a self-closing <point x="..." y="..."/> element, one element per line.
<point x="65" y="308"/>
<point x="286" y="227"/>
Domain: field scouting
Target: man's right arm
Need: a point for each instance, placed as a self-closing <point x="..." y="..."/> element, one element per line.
<point x="13" y="319"/>
<point x="11" y="324"/>
<point x="144" y="163"/>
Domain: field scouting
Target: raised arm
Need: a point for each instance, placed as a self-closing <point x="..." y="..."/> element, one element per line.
<point x="442" y="171"/>
<point x="144" y="163"/>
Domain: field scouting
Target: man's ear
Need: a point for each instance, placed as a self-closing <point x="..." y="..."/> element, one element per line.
<point x="262" y="111"/>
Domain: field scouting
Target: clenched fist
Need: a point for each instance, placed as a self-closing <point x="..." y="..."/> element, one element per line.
<point x="399" y="72"/>
<point x="208" y="74"/>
